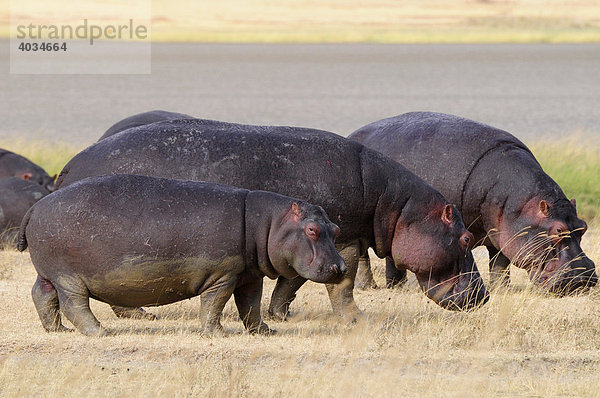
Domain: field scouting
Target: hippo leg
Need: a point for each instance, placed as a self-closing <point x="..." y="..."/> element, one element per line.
<point x="499" y="267"/>
<point x="394" y="277"/>
<point x="247" y="299"/>
<point x="364" y="275"/>
<point x="283" y="295"/>
<point x="213" y="301"/>
<point x="132" y="312"/>
<point x="45" y="299"/>
<point x="75" y="305"/>
<point x="341" y="294"/>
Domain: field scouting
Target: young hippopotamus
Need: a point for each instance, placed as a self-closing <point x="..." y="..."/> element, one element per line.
<point x="142" y="119"/>
<point x="13" y="165"/>
<point x="375" y="201"/>
<point x="16" y="197"/>
<point x="132" y="240"/>
<point x="509" y="203"/>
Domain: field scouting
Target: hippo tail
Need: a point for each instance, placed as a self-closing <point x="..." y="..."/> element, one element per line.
<point x="22" y="238"/>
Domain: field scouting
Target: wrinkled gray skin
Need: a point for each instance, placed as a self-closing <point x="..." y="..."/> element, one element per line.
<point x="134" y="241"/>
<point x="13" y="165"/>
<point x="142" y="119"/>
<point x="508" y="202"/>
<point x="375" y="201"/>
<point x="16" y="197"/>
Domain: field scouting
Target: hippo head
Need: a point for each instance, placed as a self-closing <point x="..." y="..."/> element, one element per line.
<point x="303" y="244"/>
<point x="40" y="178"/>
<point x="544" y="238"/>
<point x="434" y="244"/>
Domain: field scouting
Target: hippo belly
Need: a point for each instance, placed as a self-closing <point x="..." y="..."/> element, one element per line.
<point x="150" y="282"/>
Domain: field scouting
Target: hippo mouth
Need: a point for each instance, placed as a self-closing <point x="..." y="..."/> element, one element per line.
<point x="563" y="279"/>
<point x="462" y="292"/>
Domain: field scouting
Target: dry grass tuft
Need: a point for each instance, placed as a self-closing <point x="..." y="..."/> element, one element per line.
<point x="520" y="343"/>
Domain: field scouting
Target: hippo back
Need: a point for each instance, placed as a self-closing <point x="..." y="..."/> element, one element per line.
<point x="441" y="149"/>
<point x="142" y="119"/>
<point x="313" y="165"/>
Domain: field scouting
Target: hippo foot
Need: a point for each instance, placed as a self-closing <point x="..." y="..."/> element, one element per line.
<point x="263" y="329"/>
<point x="95" y="332"/>
<point x="133" y="313"/>
<point x="278" y="314"/>
<point x="352" y="317"/>
<point x="279" y="310"/>
<point x="213" y="331"/>
<point x="59" y="329"/>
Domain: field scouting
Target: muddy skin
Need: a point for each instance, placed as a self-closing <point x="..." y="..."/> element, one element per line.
<point x="509" y="203"/>
<point x="133" y="241"/>
<point x="142" y="119"/>
<point x="16" y="197"/>
<point x="13" y="165"/>
<point x="375" y="201"/>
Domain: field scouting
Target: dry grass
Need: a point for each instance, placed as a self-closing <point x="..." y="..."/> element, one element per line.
<point x="520" y="343"/>
<point x="423" y="21"/>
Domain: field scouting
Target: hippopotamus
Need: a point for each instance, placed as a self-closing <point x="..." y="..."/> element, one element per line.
<point x="376" y="202"/>
<point x="509" y="203"/>
<point x="13" y="165"/>
<point x="141" y="119"/>
<point x="16" y="197"/>
<point x="132" y="240"/>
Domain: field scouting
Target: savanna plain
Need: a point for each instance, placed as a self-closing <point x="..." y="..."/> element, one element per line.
<point x="521" y="342"/>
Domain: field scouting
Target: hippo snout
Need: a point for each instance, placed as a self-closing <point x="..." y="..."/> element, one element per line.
<point x="468" y="294"/>
<point x="577" y="277"/>
<point x="580" y="278"/>
<point x="339" y="268"/>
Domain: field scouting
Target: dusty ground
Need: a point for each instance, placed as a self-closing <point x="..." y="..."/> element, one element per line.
<point x="520" y="343"/>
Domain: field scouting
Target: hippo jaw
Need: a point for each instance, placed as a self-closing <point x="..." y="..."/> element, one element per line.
<point x="462" y="292"/>
<point x="565" y="276"/>
<point x="558" y="266"/>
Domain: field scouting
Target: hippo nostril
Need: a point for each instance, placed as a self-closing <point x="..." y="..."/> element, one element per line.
<point x="335" y="268"/>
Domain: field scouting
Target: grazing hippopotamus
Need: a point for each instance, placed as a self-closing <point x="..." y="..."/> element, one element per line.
<point x="509" y="203"/>
<point x="132" y="240"/>
<point x="142" y="119"/>
<point x="16" y="197"/>
<point x="13" y="165"/>
<point x="375" y="201"/>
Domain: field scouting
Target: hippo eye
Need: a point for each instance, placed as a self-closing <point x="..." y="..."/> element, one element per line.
<point x="558" y="231"/>
<point x="312" y="231"/>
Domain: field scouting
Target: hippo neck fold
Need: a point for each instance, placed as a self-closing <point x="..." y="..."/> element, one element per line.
<point x="391" y="188"/>
<point x="261" y="212"/>
<point x="508" y="197"/>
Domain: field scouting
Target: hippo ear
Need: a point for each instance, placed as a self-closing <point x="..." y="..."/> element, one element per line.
<point x="54" y="177"/>
<point x="296" y="212"/>
<point x="447" y="215"/>
<point x="574" y="203"/>
<point x="26" y="176"/>
<point x="544" y="208"/>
